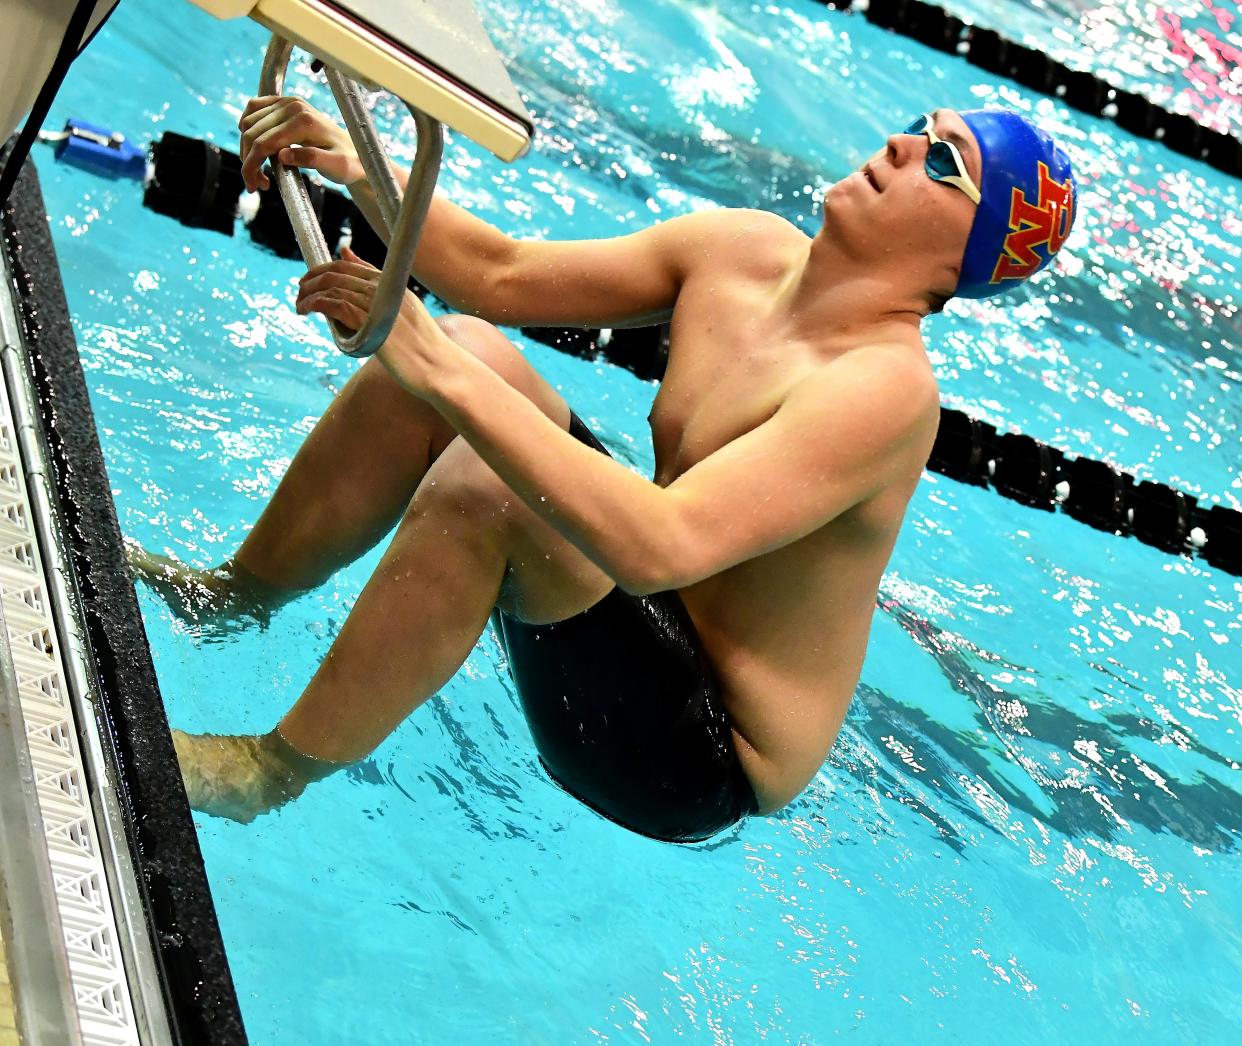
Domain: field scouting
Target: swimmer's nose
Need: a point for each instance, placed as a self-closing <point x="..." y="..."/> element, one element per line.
<point x="902" y="148"/>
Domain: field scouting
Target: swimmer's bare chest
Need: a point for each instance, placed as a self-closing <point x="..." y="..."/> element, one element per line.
<point x="786" y="632"/>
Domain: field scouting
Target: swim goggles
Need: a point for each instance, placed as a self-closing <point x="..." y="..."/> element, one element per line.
<point x="944" y="163"/>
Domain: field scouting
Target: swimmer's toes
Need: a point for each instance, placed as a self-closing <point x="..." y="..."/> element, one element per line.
<point x="209" y="598"/>
<point x="230" y="776"/>
<point x="141" y="562"/>
<point x="172" y="581"/>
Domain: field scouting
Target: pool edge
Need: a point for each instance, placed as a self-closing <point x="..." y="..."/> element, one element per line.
<point x="164" y="848"/>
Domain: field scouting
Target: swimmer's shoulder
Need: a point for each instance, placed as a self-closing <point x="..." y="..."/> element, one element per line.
<point x="732" y="223"/>
<point x="747" y="221"/>
<point x="759" y="243"/>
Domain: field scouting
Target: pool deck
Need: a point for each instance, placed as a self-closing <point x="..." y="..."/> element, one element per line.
<point x="8" y="1016"/>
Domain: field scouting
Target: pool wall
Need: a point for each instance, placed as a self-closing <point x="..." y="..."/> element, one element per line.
<point x="136" y="746"/>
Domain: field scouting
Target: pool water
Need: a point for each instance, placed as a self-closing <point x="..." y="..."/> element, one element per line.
<point x="1029" y="826"/>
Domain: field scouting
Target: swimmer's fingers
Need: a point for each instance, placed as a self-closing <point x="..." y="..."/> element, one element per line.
<point x="256" y="121"/>
<point x="266" y="133"/>
<point x="332" y="166"/>
<point x="345" y="291"/>
<point x="259" y="115"/>
<point x="350" y="277"/>
<point x="279" y="124"/>
<point x="346" y="307"/>
<point x="349" y="264"/>
<point x="324" y="276"/>
<point x="263" y="101"/>
<point x="331" y="281"/>
<point x="348" y="300"/>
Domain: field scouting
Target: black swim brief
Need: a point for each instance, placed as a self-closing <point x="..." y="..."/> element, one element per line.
<point x="626" y="713"/>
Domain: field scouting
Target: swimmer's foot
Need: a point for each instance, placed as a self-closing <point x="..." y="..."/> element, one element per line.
<point x="238" y="777"/>
<point x="226" y="597"/>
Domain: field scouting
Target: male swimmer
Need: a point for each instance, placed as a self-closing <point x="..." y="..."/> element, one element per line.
<point x="685" y="647"/>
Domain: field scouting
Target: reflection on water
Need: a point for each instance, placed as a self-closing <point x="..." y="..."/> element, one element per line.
<point x="1080" y="777"/>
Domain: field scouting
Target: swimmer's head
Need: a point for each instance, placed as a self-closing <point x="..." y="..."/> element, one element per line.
<point x="1026" y="210"/>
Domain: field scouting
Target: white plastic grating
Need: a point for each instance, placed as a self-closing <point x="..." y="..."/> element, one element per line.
<point x="91" y="935"/>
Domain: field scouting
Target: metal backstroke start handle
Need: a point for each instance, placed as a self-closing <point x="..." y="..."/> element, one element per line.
<point x="403" y="216"/>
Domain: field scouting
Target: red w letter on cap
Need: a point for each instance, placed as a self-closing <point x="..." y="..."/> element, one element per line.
<point x="1046" y="225"/>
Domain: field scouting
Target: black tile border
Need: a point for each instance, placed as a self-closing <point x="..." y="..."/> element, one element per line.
<point x="197" y="984"/>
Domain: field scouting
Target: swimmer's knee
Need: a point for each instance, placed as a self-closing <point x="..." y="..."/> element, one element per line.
<point x="461" y="477"/>
<point x="485" y="342"/>
<point x="373" y="386"/>
<point x="461" y="485"/>
<point x="471" y="330"/>
<point x="488" y="344"/>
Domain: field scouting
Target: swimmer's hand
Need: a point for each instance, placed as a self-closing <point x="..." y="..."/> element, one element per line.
<point x="298" y="135"/>
<point x="343" y="291"/>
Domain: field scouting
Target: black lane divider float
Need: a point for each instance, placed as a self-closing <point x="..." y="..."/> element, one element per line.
<point x="199" y="184"/>
<point x="935" y="27"/>
<point x="1092" y="492"/>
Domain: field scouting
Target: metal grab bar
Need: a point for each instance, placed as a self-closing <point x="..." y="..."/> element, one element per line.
<point x="403" y="216"/>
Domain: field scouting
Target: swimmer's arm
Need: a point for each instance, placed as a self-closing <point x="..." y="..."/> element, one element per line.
<point x="840" y="436"/>
<point x="623" y="281"/>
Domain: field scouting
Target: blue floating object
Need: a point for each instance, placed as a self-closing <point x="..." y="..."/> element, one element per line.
<point x="100" y="150"/>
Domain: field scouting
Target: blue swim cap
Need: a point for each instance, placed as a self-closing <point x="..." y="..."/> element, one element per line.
<point x="1027" y="206"/>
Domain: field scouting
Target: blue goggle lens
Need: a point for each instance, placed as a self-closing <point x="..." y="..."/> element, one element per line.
<point x="940" y="162"/>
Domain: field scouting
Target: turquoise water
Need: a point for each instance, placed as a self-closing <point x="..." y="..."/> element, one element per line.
<point x="1029" y="826"/>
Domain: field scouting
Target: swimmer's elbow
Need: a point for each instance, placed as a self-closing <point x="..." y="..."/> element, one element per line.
<point x="636" y="585"/>
<point x="642" y="572"/>
<point x="479" y="279"/>
<point x="663" y="564"/>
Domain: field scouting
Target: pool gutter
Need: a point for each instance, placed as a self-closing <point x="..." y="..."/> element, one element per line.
<point x="33" y="954"/>
<point x="157" y="930"/>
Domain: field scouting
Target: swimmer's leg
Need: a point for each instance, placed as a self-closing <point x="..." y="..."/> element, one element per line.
<point x="344" y="490"/>
<point x="465" y="544"/>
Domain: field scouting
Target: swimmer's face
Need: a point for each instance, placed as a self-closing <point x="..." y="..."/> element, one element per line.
<point x="893" y="205"/>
